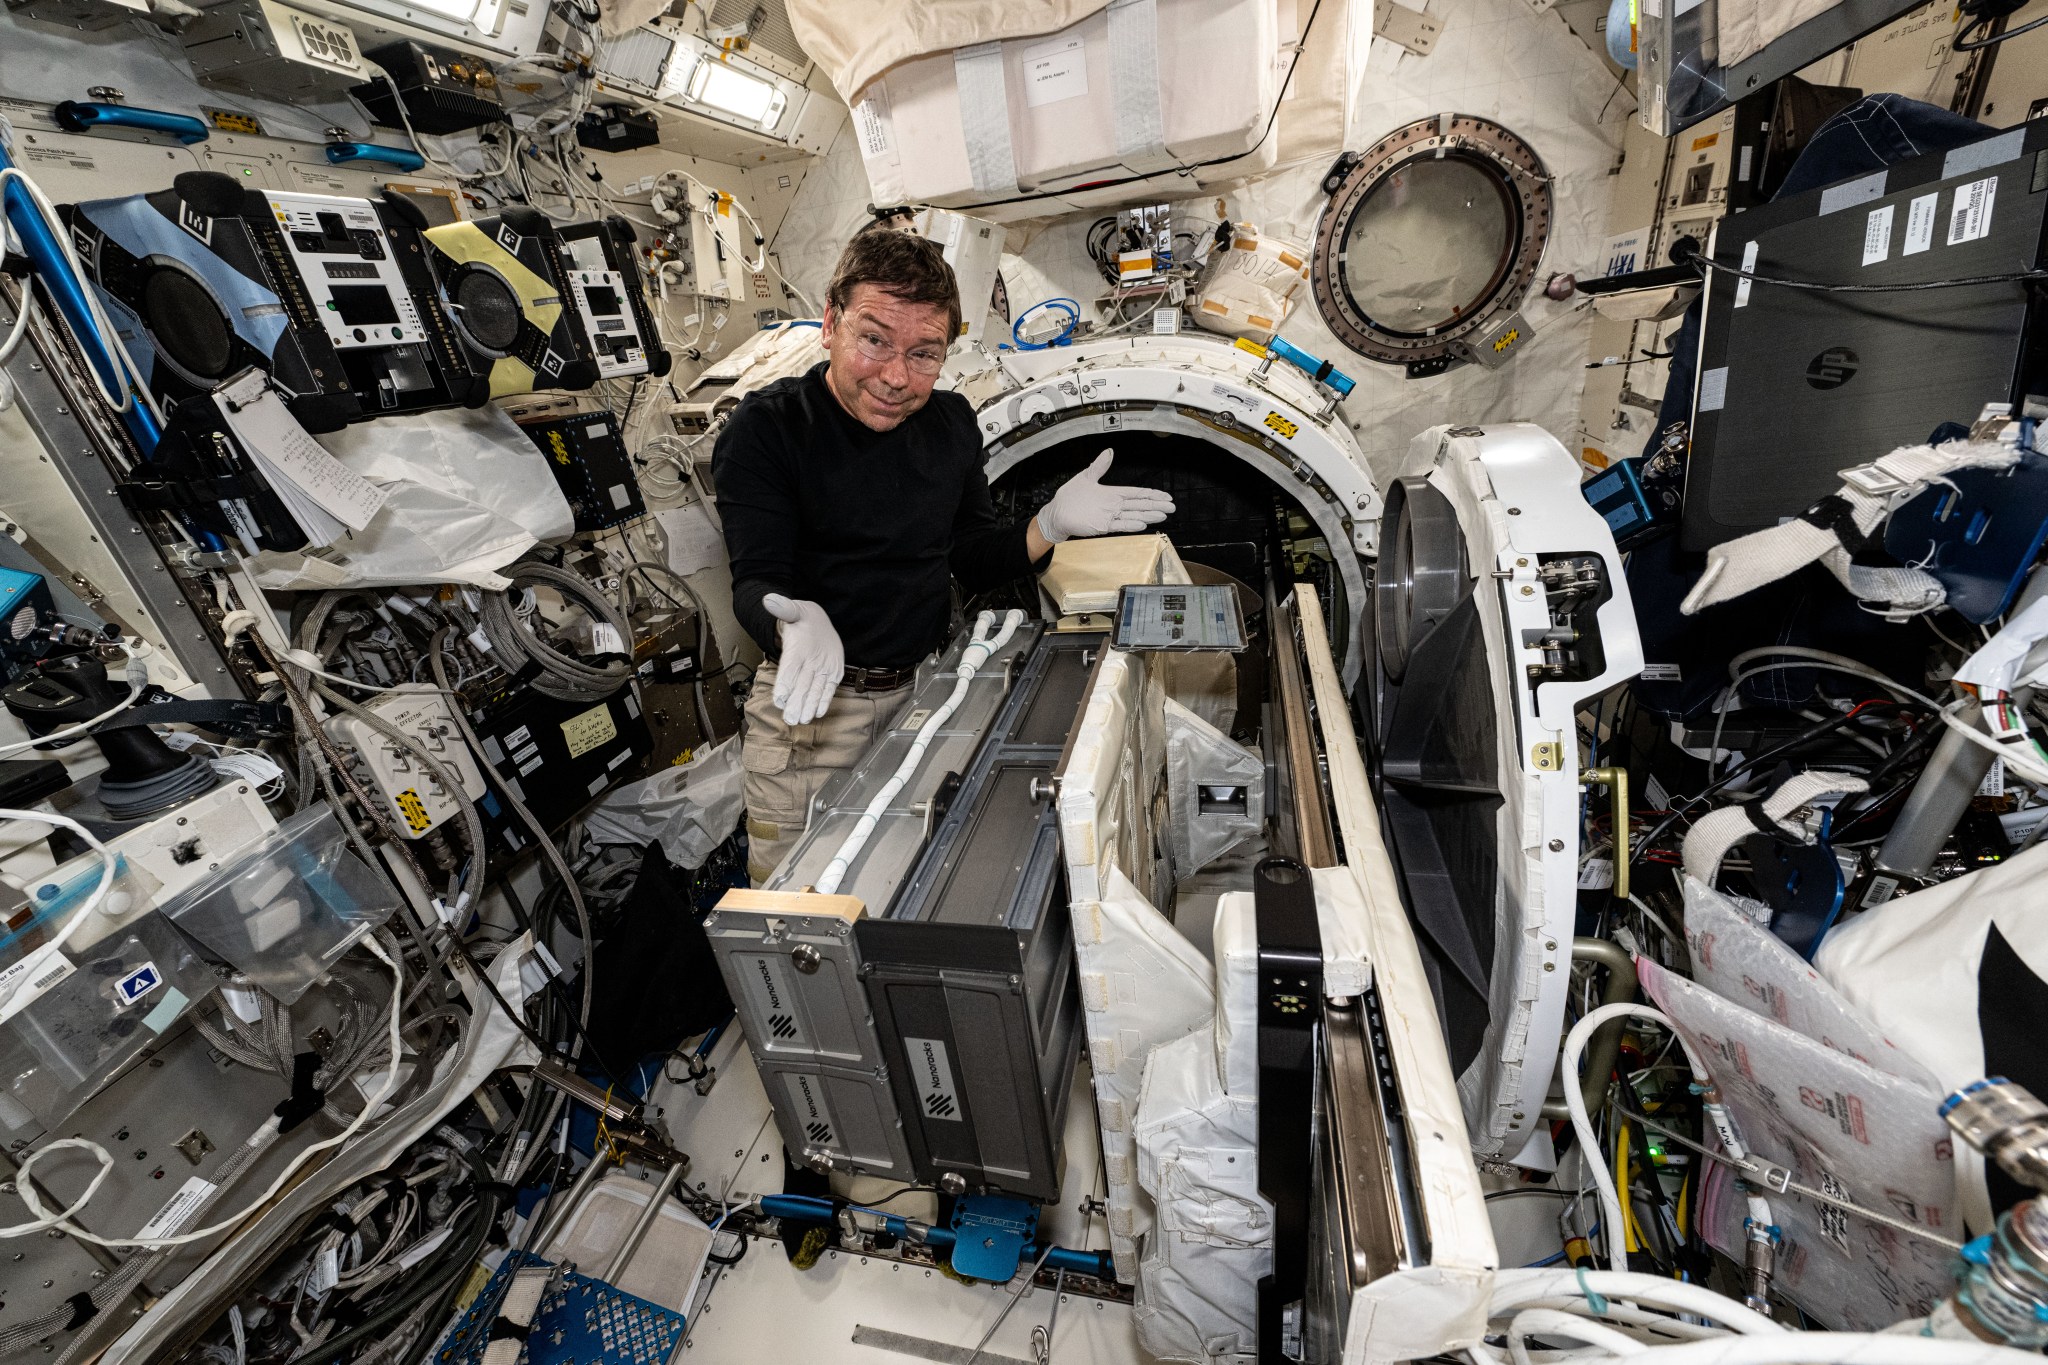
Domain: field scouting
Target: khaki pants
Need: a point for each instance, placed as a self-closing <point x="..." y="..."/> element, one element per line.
<point x="786" y="765"/>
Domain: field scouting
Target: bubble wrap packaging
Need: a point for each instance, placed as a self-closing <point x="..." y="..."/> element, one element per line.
<point x="1839" y="1124"/>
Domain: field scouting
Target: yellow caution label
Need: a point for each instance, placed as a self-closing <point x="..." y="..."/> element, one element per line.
<point x="1506" y="339"/>
<point x="1281" y="425"/>
<point x="415" y="811"/>
<point x="559" y="447"/>
<point x="232" y="121"/>
<point x="1700" y="144"/>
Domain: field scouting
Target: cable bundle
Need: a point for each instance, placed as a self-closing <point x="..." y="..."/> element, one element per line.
<point x="525" y="655"/>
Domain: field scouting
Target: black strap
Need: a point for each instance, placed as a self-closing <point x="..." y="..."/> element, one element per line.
<point x="1755" y="811"/>
<point x="1833" y="513"/>
<point x="83" y="1310"/>
<point x="178" y="495"/>
<point x="504" y="1329"/>
<point x="234" y="717"/>
<point x="1290" y="1006"/>
<point x="306" y="1099"/>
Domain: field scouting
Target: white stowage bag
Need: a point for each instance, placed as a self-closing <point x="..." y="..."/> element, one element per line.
<point x="466" y="494"/>
<point x="1212" y="1235"/>
<point x="1142" y="985"/>
<point x="1249" y="290"/>
<point x="1915" y="965"/>
<point x="688" y="809"/>
<point x="1198" y="1135"/>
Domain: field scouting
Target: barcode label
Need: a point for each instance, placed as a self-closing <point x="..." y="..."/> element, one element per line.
<point x="179" y="1210"/>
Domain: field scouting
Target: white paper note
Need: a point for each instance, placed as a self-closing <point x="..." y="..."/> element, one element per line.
<point x="1055" y="71"/>
<point x="299" y="469"/>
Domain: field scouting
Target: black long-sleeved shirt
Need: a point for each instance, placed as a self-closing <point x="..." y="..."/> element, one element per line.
<point x="869" y="525"/>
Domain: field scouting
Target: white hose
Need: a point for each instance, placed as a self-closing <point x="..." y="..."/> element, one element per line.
<point x="1543" y="1303"/>
<point x="977" y="652"/>
<point x="1837" y="1348"/>
<point x="1611" y="1225"/>
<point x="97" y="899"/>
<point x="1659" y="1328"/>
<point x="1514" y="1290"/>
<point x="1549" y="1322"/>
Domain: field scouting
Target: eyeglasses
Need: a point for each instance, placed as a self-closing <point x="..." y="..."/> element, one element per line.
<point x="924" y="360"/>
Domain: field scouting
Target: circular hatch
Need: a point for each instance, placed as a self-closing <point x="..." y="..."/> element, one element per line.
<point x="1429" y="242"/>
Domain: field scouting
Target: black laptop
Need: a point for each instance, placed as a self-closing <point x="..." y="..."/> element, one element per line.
<point x="1796" y="385"/>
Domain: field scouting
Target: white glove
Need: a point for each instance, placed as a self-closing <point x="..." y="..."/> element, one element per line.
<point x="1085" y="506"/>
<point x="813" y="660"/>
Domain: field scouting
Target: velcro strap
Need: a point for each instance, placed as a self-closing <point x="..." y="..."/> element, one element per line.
<point x="83" y="1310"/>
<point x="178" y="495"/>
<point x="985" y="117"/>
<point x="1833" y="514"/>
<point x="1134" y="85"/>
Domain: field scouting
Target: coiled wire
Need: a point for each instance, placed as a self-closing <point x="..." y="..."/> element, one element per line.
<point x="521" y="651"/>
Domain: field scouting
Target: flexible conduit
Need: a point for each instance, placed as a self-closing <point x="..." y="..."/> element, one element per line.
<point x="978" y="650"/>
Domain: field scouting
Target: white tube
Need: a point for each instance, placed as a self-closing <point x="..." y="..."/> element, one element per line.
<point x="1517" y="1289"/>
<point x="1549" y="1322"/>
<point x="977" y="652"/>
<point x="1582" y="1123"/>
<point x="95" y="900"/>
<point x="1839" y="1348"/>
<point x="1660" y="1328"/>
<point x="1591" y="1155"/>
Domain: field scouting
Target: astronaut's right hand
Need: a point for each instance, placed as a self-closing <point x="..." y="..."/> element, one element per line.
<point x="813" y="659"/>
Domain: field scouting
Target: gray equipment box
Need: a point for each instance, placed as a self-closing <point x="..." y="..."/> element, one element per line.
<point x="940" y="1038"/>
<point x="789" y="962"/>
<point x="796" y="981"/>
<point x="971" y="971"/>
<point x="846" y="1117"/>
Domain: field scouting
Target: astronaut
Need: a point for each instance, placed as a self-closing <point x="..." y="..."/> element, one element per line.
<point x="852" y="496"/>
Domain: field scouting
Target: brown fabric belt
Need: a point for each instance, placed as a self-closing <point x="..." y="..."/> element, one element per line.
<point x="878" y="679"/>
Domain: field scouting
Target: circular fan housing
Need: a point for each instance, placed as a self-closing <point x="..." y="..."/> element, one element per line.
<point x="486" y="309"/>
<point x="1422" y="574"/>
<point x="1430" y="241"/>
<point x="187" y="324"/>
<point x="1434" y="728"/>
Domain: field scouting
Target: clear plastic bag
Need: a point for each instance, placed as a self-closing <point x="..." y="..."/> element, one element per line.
<point x="285" y="911"/>
<point x="91" y="1009"/>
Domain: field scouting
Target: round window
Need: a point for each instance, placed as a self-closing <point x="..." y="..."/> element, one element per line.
<point x="1430" y="241"/>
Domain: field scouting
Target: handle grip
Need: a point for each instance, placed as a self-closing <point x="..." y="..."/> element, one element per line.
<point x="75" y="116"/>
